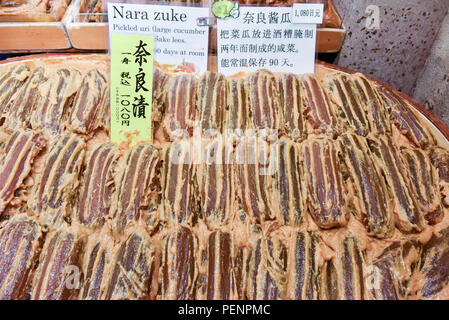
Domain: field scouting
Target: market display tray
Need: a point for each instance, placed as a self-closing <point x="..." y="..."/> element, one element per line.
<point x="113" y="231"/>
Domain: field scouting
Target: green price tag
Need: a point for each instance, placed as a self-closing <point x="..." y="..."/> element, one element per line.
<point x="131" y="88"/>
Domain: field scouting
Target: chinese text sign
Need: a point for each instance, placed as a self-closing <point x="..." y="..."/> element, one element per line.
<point x="131" y="87"/>
<point x="265" y="38"/>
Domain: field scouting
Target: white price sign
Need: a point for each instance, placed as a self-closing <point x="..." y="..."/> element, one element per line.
<point x="308" y="13"/>
<point x="265" y="38"/>
<point x="179" y="43"/>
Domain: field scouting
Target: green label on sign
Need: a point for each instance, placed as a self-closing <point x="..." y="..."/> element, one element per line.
<point x="131" y="88"/>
